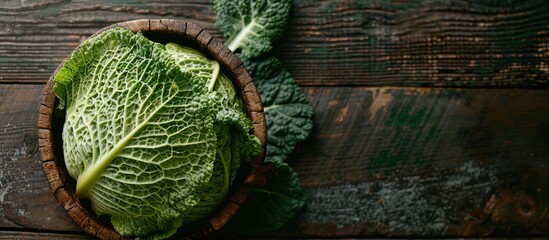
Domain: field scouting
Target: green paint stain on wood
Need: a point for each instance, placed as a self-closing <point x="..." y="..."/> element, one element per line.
<point x="389" y="4"/>
<point x="372" y="40"/>
<point x="385" y="159"/>
<point x="483" y="71"/>
<point x="375" y="66"/>
<point x="405" y="117"/>
<point x="373" y="63"/>
<point x="432" y="134"/>
<point x="328" y="7"/>
<point x="410" y="131"/>
<point x="323" y="51"/>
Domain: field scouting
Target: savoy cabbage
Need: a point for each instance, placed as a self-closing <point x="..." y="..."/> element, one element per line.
<point x="153" y="134"/>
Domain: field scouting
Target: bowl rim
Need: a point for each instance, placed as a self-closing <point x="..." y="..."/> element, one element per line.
<point x="242" y="81"/>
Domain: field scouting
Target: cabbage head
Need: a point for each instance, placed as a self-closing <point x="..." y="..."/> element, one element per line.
<point x="153" y="134"/>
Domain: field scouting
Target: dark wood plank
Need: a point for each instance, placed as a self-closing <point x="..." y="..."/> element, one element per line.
<point x="418" y="43"/>
<point x="374" y="43"/>
<point x="405" y="161"/>
<point x="21" y="235"/>
<point x="25" y="197"/>
<point x="397" y="161"/>
<point x="35" y="36"/>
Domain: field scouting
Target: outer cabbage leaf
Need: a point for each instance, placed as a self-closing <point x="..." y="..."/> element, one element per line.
<point x="190" y="60"/>
<point x="269" y="208"/>
<point x="230" y="124"/>
<point x="288" y="113"/>
<point x="138" y="135"/>
<point x="251" y="26"/>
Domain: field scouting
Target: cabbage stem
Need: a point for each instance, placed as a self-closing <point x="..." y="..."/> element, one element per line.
<point x="215" y="74"/>
<point x="235" y="43"/>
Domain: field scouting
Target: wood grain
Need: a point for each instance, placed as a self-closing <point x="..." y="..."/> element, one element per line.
<point x="395" y="161"/>
<point x="371" y="130"/>
<point x="367" y="43"/>
<point x="37" y="36"/>
<point x="20" y="235"/>
<point x="418" y="43"/>
<point x="25" y="198"/>
<point x="423" y="161"/>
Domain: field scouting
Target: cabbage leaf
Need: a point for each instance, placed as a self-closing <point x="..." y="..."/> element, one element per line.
<point x="252" y="26"/>
<point x="288" y="113"/>
<point x="269" y="208"/>
<point x="230" y="124"/>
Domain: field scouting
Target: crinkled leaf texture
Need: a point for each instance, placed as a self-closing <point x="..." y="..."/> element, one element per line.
<point x="143" y="136"/>
<point x="230" y="125"/>
<point x="288" y="113"/>
<point x="252" y="25"/>
<point x="269" y="208"/>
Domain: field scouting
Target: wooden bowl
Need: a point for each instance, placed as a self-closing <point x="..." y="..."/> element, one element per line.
<point x="158" y="30"/>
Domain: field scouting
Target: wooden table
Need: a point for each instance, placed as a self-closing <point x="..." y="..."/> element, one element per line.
<point x="431" y="117"/>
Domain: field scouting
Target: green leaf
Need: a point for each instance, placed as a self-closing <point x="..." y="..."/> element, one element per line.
<point x="288" y="113"/>
<point x="269" y="208"/>
<point x="230" y="124"/>
<point x="251" y="25"/>
<point x="193" y="61"/>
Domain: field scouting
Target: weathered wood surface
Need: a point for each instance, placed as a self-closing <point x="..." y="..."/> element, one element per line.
<point x="25" y="197"/>
<point x="20" y="235"/>
<point x="400" y="161"/>
<point x="424" y="161"/>
<point x="419" y="43"/>
<point x="466" y="154"/>
<point x="412" y="43"/>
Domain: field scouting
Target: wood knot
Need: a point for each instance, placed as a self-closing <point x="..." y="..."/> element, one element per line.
<point x="524" y="209"/>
